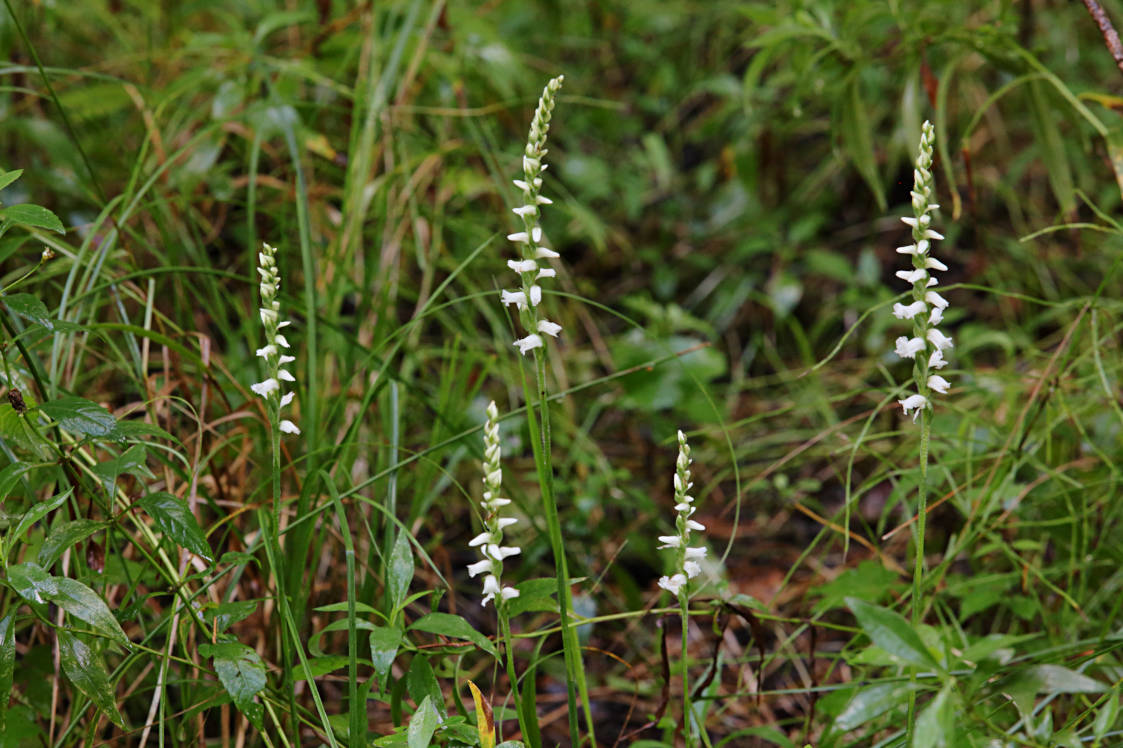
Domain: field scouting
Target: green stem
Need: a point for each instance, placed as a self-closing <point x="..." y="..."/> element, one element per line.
<point x="918" y="565"/>
<point x="687" y="707"/>
<point x="508" y="644"/>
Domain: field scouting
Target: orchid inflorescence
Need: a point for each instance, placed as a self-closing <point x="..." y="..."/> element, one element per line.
<point x="490" y="540"/>
<point x="275" y="342"/>
<point x="529" y="239"/>
<point x="927" y="308"/>
<point x="687" y="559"/>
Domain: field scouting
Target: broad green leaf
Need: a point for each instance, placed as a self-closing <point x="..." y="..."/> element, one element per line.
<point x="873" y="701"/>
<point x="485" y="720"/>
<point x="870" y="581"/>
<point x="242" y="674"/>
<point x="888" y="630"/>
<point x="384" y="643"/>
<point x="452" y="626"/>
<point x="535" y="596"/>
<point x="935" y="727"/>
<point x="37" y="512"/>
<point x="173" y="517"/>
<point x="81" y="602"/>
<point x="62" y="537"/>
<point x="26" y="214"/>
<point x="130" y="462"/>
<point x="7" y="177"/>
<point x="7" y="664"/>
<point x="421" y="682"/>
<point x="15" y="431"/>
<point x="138" y="430"/>
<point x="32" y="583"/>
<point x="422" y="725"/>
<point x="80" y="416"/>
<point x="29" y="307"/>
<point x="400" y="572"/>
<point x="86" y="671"/>
<point x="11" y="476"/>
<point x="225" y="615"/>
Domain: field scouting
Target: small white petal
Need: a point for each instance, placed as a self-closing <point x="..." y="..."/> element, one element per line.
<point x="695" y="553"/>
<point x="483" y="537"/>
<point x="936" y="300"/>
<point x="692" y="568"/>
<point x="514" y="297"/>
<point x="286" y="360"/>
<point x="522" y="185"/>
<point x="525" y="210"/>
<point x="909" y="221"/>
<point x="536" y="234"/>
<point x="284" y="376"/>
<point x="939" y="384"/>
<point x="936" y="316"/>
<point x="670" y="541"/>
<point x="933" y="263"/>
<point x="479" y="567"/>
<point x="288" y="427"/>
<point x="544" y="253"/>
<point x="546" y="273"/>
<point x="913" y="402"/>
<point x="535" y="295"/>
<point x="266" y="387"/>
<point x="900" y="311"/>
<point x="909" y="250"/>
<point x="672" y="584"/>
<point x="550" y="328"/>
<point x="912" y="276"/>
<point x="284" y="323"/>
<point x="508" y="593"/>
<point x="491" y="588"/>
<point x="909" y="347"/>
<point x="269" y="350"/>
<point x="531" y="164"/>
<point x="529" y="343"/>
<point x="936" y="360"/>
<point x="522" y="266"/>
<point x="939" y="340"/>
<point x="504" y="522"/>
<point x="281" y="341"/>
<point x="519" y="236"/>
<point x="287" y="398"/>
<point x="693" y="525"/>
<point x="930" y="234"/>
<point x="543" y="200"/>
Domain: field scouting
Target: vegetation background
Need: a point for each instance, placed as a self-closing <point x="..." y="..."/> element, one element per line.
<point x="727" y="179"/>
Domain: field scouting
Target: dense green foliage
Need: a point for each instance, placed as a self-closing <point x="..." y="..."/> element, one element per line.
<point x="727" y="180"/>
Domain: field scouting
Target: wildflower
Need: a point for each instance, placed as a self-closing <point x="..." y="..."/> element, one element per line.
<point x="490" y="540"/>
<point x="927" y="307"/>
<point x="528" y="240"/>
<point x="686" y="557"/>
<point x="275" y="341"/>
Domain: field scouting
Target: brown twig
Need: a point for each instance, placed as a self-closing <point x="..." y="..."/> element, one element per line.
<point x="1111" y="38"/>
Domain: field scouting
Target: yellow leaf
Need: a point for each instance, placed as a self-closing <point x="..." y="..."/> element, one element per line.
<point x="485" y="721"/>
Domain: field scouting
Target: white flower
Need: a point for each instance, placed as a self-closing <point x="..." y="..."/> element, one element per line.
<point x="498" y="553"/>
<point x="546" y="273"/>
<point x="936" y="300"/>
<point x="695" y="553"/>
<point x="508" y="593"/>
<point x="266" y="387"/>
<point x="930" y="234"/>
<point x="550" y="328"/>
<point x="288" y="427"/>
<point x="280" y="340"/>
<point x="529" y="343"/>
<point x="536" y="234"/>
<point x="692" y="525"/>
<point x="491" y="589"/>
<point x="938" y="339"/>
<point x="483" y="537"/>
<point x="543" y="200"/>
<point x="522" y="266"/>
<point x="284" y="376"/>
<point x="544" y="253"/>
<point x="909" y="347"/>
<point x="936" y="316"/>
<point x="908" y="250"/>
<point x="479" y="567"/>
<point x="670" y="541"/>
<point x="900" y="311"/>
<point x="672" y="584"/>
<point x="525" y="210"/>
<point x="287" y="398"/>
<point x="692" y="568"/>
<point x="915" y="403"/>
<point x="912" y="276"/>
<point x="267" y="351"/>
<point x="938" y="383"/>
<point x="936" y="360"/>
<point x="514" y="297"/>
<point x="519" y="237"/>
<point x="933" y="263"/>
<point x="535" y="295"/>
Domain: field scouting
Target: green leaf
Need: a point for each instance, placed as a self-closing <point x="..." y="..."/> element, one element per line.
<point x="64" y="536"/>
<point x="37" y="512"/>
<point x="130" y="462"/>
<point x="29" y="307"/>
<point x="87" y="672"/>
<point x="1105" y="715"/>
<point x="384" y="643"/>
<point x="32" y="583"/>
<point x="873" y="701"/>
<point x="81" y="602"/>
<point x="455" y="627"/>
<point x="7" y="177"/>
<point x="138" y="430"/>
<point x="535" y="596"/>
<point x="225" y="615"/>
<point x="80" y="416"/>
<point x="421" y="681"/>
<point x="422" y="725"/>
<point x="888" y="630"/>
<point x="857" y="139"/>
<point x="935" y="727"/>
<point x="400" y="570"/>
<point x="7" y="664"/>
<point x="242" y="674"/>
<point x="173" y="518"/>
<point x="26" y="214"/>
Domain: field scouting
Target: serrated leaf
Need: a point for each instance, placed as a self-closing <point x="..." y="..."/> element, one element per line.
<point x="242" y="674"/>
<point x="87" y="672"/>
<point x="29" y="307"/>
<point x="26" y="214"/>
<point x="7" y="665"/>
<point x="455" y="627"/>
<point x="890" y="631"/>
<point x="485" y="720"/>
<point x="130" y="462"/>
<point x="934" y="728"/>
<point x="81" y="602"/>
<point x="873" y="701"/>
<point x="37" y="512"/>
<point x="80" y="416"/>
<point x="384" y="643"/>
<point x="64" y="536"/>
<point x="421" y="682"/>
<point x="400" y="572"/>
<point x="174" y="519"/>
<point x="422" y="725"/>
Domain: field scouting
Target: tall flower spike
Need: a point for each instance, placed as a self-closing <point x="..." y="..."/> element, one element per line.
<point x="529" y="295"/>
<point x="687" y="559"/>
<point x="927" y="307"/>
<point x="275" y="342"/>
<point x="490" y="540"/>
